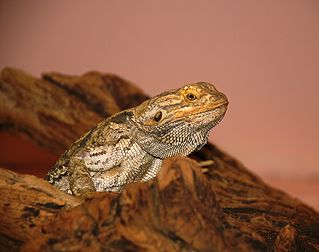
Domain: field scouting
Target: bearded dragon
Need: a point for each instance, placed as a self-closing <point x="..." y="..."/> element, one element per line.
<point x="131" y="145"/>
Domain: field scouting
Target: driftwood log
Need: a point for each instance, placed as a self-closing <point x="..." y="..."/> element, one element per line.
<point x="222" y="207"/>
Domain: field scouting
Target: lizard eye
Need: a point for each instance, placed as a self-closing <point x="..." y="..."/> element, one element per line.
<point x="158" y="116"/>
<point x="191" y="97"/>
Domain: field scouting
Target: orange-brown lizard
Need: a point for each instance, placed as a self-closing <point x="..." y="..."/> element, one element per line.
<point x="131" y="145"/>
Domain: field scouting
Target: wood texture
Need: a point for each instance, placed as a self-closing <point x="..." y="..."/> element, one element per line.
<point x="26" y="202"/>
<point x="55" y="110"/>
<point x="220" y="207"/>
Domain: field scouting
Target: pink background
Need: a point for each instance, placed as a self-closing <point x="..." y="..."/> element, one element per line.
<point x="263" y="54"/>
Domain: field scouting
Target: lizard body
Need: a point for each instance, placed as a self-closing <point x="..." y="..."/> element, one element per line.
<point x="130" y="145"/>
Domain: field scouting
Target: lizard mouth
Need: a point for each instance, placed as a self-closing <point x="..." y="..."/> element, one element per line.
<point x="217" y="119"/>
<point x="220" y="104"/>
<point x="213" y="116"/>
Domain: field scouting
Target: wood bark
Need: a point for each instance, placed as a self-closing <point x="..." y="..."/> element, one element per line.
<point x="55" y="110"/>
<point x="221" y="207"/>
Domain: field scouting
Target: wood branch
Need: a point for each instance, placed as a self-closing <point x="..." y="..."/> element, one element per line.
<point x="55" y="110"/>
<point x="220" y="207"/>
<point x="167" y="215"/>
<point x="26" y="202"/>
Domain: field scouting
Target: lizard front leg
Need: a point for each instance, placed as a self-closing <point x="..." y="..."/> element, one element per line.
<point x="80" y="181"/>
<point x="152" y="169"/>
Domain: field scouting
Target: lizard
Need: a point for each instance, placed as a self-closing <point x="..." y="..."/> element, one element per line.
<point x="131" y="145"/>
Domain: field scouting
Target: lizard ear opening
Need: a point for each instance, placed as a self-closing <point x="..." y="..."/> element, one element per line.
<point x="155" y="118"/>
<point x="158" y="116"/>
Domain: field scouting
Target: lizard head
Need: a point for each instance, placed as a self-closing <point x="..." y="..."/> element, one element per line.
<point x="177" y="122"/>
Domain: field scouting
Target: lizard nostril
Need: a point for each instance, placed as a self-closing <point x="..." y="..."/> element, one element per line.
<point x="220" y="97"/>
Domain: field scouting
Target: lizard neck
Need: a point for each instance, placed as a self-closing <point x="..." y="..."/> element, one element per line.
<point x="177" y="140"/>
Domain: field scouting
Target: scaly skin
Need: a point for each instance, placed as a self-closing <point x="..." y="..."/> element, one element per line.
<point x="131" y="145"/>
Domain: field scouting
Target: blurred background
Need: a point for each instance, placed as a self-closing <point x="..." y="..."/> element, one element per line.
<point x="264" y="55"/>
